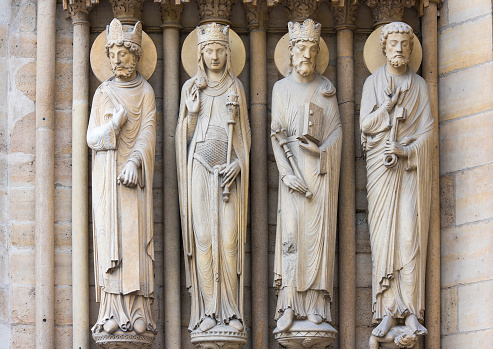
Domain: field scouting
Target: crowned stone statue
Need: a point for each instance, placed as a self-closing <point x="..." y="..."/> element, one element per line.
<point x="397" y="126"/>
<point x="212" y="149"/>
<point x="122" y="136"/>
<point x="306" y="139"/>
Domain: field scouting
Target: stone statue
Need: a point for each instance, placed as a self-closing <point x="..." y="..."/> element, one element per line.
<point x="212" y="147"/>
<point x="122" y="135"/>
<point x="306" y="138"/>
<point x="397" y="125"/>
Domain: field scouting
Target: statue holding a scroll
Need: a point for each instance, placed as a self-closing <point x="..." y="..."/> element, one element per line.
<point x="397" y="125"/>
<point x="122" y="136"/>
<point x="306" y="139"/>
<point x="212" y="148"/>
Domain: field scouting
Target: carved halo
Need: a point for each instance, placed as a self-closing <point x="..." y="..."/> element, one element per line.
<point x="101" y="66"/>
<point x="189" y="53"/>
<point x="374" y="57"/>
<point x="282" y="59"/>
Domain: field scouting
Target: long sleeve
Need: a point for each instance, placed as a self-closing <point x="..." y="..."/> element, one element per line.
<point x="282" y="161"/>
<point x="100" y="137"/>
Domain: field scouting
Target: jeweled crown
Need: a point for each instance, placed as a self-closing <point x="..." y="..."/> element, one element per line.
<point x="213" y="32"/>
<point x="309" y="30"/>
<point x="115" y="33"/>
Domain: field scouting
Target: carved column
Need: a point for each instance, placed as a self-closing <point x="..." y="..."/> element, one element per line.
<point x="386" y="11"/>
<point x="78" y="10"/>
<point x="127" y="11"/>
<point x="171" y="14"/>
<point x="45" y="175"/>
<point x="430" y="74"/>
<point x="218" y="11"/>
<point x="259" y="227"/>
<point x="345" y="16"/>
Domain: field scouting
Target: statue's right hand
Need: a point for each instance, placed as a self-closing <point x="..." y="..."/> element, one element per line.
<point x="295" y="183"/>
<point x="193" y="101"/>
<point x="120" y="116"/>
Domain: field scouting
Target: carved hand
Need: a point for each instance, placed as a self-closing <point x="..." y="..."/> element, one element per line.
<point x="129" y="175"/>
<point x="193" y="102"/>
<point x="230" y="172"/>
<point x="394" y="148"/>
<point x="295" y="183"/>
<point x="310" y="147"/>
<point x="120" y="116"/>
<point x="391" y="95"/>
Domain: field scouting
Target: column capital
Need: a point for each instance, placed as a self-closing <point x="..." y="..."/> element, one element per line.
<point x="257" y="14"/>
<point x="127" y="11"/>
<point x="79" y="10"/>
<point x="218" y="11"/>
<point x="386" y="11"/>
<point x="170" y="13"/>
<point x="345" y="13"/>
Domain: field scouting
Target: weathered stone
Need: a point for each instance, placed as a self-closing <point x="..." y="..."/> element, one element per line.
<point x="25" y="80"/>
<point x="21" y="266"/>
<point x="473" y="193"/>
<point x="447" y="201"/>
<point x="22" y="304"/>
<point x="458" y="49"/>
<point x="63" y="204"/>
<point x="449" y="303"/>
<point x="22" y="337"/>
<point x="63" y="267"/>
<point x="22" y="170"/>
<point x="21" y="235"/>
<point x="23" y="135"/>
<point x="468" y="340"/>
<point x="63" y="84"/>
<point x="63" y="336"/>
<point x="363" y="270"/>
<point x="459" y="11"/>
<point x="21" y="204"/>
<point x="63" y="305"/>
<point x="4" y="304"/>
<point x="63" y="133"/>
<point x="23" y="44"/>
<point x="475" y="306"/>
<point x="63" y="236"/>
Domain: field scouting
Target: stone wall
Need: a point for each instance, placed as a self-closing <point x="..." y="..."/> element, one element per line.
<point x="465" y="64"/>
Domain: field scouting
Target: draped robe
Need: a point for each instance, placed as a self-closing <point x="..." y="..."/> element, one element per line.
<point x="399" y="198"/>
<point x="214" y="231"/>
<point x="122" y="216"/>
<point x="306" y="229"/>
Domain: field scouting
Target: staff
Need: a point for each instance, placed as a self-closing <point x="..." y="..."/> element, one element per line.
<point x="232" y="105"/>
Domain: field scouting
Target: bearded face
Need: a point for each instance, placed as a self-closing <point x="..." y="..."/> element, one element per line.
<point x="398" y="49"/>
<point x="123" y="62"/>
<point x="304" y="56"/>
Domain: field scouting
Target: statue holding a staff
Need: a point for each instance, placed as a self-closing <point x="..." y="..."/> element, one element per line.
<point x="212" y="147"/>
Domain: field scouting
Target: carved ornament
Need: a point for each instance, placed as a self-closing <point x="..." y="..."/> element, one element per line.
<point x="257" y="14"/>
<point x="214" y="11"/>
<point x="345" y="13"/>
<point x="170" y="11"/>
<point x="386" y="11"/>
<point x="127" y="11"/>
<point x="78" y="9"/>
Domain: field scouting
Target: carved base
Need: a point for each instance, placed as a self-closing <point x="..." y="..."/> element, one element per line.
<point x="305" y="334"/>
<point x="219" y="337"/>
<point x="397" y="337"/>
<point x="124" y="340"/>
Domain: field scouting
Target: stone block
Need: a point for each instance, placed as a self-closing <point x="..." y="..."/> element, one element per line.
<point x="23" y="44"/>
<point x="63" y="205"/>
<point x="4" y="305"/>
<point x="63" y="337"/>
<point x="475" y="307"/>
<point x="27" y="17"/>
<point x="448" y="311"/>
<point x="443" y="14"/>
<point x="21" y="266"/>
<point x="361" y="200"/>
<point x="363" y="334"/>
<point x="479" y="339"/>
<point x="466" y="142"/>
<point x="63" y="84"/>
<point x="465" y="92"/>
<point x="466" y="254"/>
<point x="4" y="206"/>
<point x="22" y="304"/>
<point x="22" y="337"/>
<point x="63" y="305"/>
<point x="473" y="195"/>
<point x="447" y="201"/>
<point x="63" y="133"/>
<point x="459" y="11"/>
<point x="63" y="236"/>
<point x="21" y="204"/>
<point x="3" y="171"/>
<point x="459" y="50"/>
<point x="363" y="307"/>
<point x="22" y="169"/>
<point x="64" y="47"/>
<point x="5" y="335"/>
<point x="4" y="68"/>
<point x="363" y="269"/>
<point x="25" y="80"/>
<point x="360" y="175"/>
<point x="63" y="267"/>
<point x="23" y="135"/>
<point x="362" y="234"/>
<point x="4" y="271"/>
<point x="21" y="235"/>
<point x="63" y="171"/>
<point x="4" y="38"/>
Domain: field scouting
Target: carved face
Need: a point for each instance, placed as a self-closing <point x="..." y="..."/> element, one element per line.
<point x="123" y="62"/>
<point x="304" y="56"/>
<point x="398" y="49"/>
<point x="215" y="57"/>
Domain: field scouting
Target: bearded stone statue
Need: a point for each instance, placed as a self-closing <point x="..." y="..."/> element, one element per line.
<point x="397" y="125"/>
<point x="122" y="136"/>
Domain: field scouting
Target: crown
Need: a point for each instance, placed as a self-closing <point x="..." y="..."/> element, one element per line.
<point x="213" y="32"/>
<point x="115" y="33"/>
<point x="309" y="30"/>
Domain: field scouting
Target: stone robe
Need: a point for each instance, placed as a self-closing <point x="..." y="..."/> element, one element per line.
<point x="399" y="197"/>
<point x="306" y="229"/>
<point x="122" y="216"/>
<point x="214" y="231"/>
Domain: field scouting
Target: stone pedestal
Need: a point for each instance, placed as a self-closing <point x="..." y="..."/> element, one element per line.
<point x="305" y="334"/>
<point x="397" y="337"/>
<point x="219" y="337"/>
<point x="124" y="340"/>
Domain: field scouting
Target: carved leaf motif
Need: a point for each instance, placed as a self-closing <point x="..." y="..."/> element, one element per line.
<point x="214" y="8"/>
<point x="388" y="10"/>
<point x="75" y="6"/>
<point x="127" y="8"/>
<point x="170" y="12"/>
<point x="345" y="14"/>
<point x="257" y="14"/>
<point x="301" y="9"/>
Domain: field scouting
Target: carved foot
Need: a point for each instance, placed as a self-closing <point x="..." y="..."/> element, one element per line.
<point x="413" y="322"/>
<point x="316" y="319"/>
<point x="285" y="321"/>
<point x="207" y="324"/>
<point x="384" y="326"/>
<point x="396" y="338"/>
<point x="110" y="326"/>
<point x="140" y="326"/>
<point x="236" y="324"/>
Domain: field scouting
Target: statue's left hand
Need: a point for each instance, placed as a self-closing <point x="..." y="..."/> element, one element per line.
<point x="129" y="175"/>
<point x="394" y="148"/>
<point x="230" y="172"/>
<point x="310" y="147"/>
